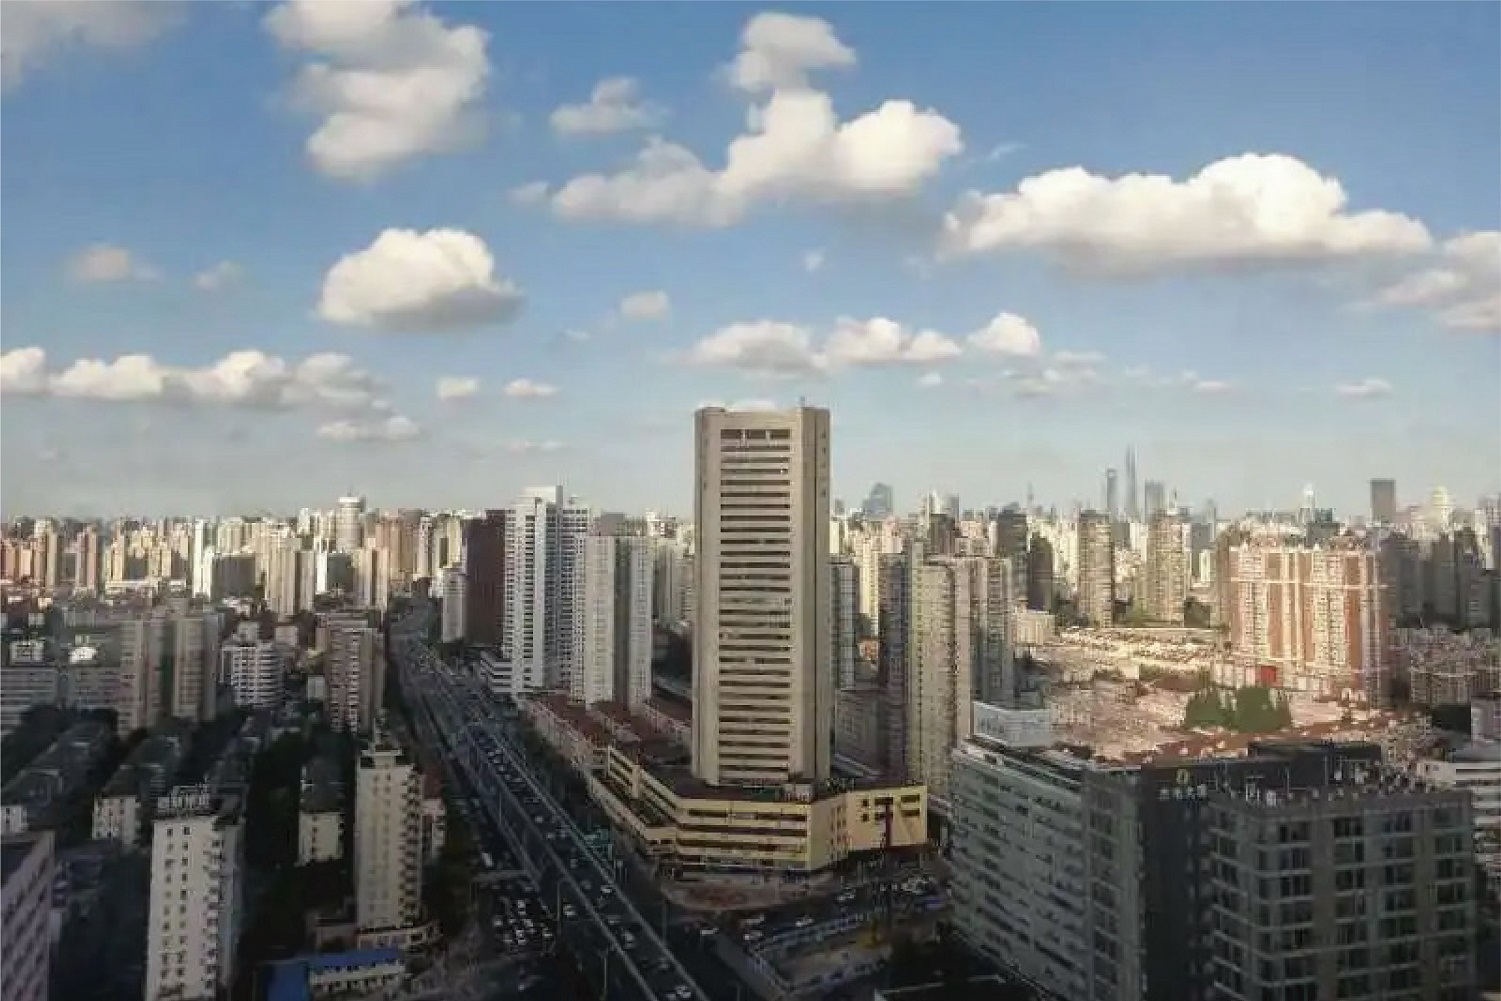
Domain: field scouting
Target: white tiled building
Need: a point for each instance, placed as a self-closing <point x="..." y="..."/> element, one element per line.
<point x="197" y="859"/>
<point x="614" y="619"/>
<point x="26" y="898"/>
<point x="387" y="839"/>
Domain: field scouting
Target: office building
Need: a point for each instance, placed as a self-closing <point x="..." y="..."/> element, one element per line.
<point x="764" y="699"/>
<point x="484" y="578"/>
<point x="614" y="613"/>
<point x="1112" y="496"/>
<point x="1307" y="870"/>
<point x="387" y="839"/>
<point x="1133" y="489"/>
<point x="193" y="922"/>
<point x="1095" y="600"/>
<point x="26" y="871"/>
<point x="1021" y="892"/>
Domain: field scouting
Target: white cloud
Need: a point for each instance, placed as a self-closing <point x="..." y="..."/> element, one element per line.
<point x="794" y="146"/>
<point x="530" y="193"/>
<point x="526" y="389"/>
<point x="614" y="105"/>
<point x="1001" y="151"/>
<point x="1462" y="287"/>
<point x="777" y="349"/>
<point x="442" y="279"/>
<point x="813" y="260"/>
<point x="1364" y="389"/>
<point x="526" y="447"/>
<point x="1072" y="359"/>
<point x="1211" y="386"/>
<point x="1007" y="334"/>
<point x="38" y="31"/>
<point x="645" y="306"/>
<point x="930" y="380"/>
<point x="1242" y="210"/>
<point x="779" y="50"/>
<point x="457" y="387"/>
<point x="23" y="371"/>
<point x="386" y="429"/>
<point x="388" y="79"/>
<point x="246" y="378"/>
<point x="105" y="262"/>
<point x="220" y="275"/>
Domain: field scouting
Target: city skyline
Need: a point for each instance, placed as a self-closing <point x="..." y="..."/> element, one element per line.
<point x="531" y="279"/>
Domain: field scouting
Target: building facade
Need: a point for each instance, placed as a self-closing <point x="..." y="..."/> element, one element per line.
<point x="387" y="840"/>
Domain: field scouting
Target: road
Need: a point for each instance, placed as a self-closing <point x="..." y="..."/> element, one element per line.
<point x="474" y="734"/>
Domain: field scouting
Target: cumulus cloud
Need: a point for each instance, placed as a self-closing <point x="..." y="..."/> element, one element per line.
<point x="1364" y="389"/>
<point x="457" y="387"/>
<point x="614" y="105"/>
<point x="1251" y="209"/>
<point x="527" y="389"/>
<point x="389" y="81"/>
<point x="220" y="275"/>
<point x="246" y="378"/>
<point x="645" y="306"/>
<point x="39" y="31"/>
<point x="1007" y="334"/>
<point x="385" y="429"/>
<point x="1460" y="286"/>
<point x="794" y="145"/>
<point x="441" y="279"/>
<point x="104" y="262"/>
<point x="777" y="349"/>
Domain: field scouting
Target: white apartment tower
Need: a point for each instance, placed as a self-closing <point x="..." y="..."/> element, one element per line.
<point x="763" y="693"/>
<point x="252" y="670"/>
<point x="193" y="926"/>
<point x="349" y="524"/>
<point x="387" y="840"/>
<point x="539" y="638"/>
<point x="614" y="616"/>
<point x="355" y="668"/>
<point x="951" y="621"/>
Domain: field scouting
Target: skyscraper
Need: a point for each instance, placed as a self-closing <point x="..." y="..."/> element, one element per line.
<point x="387" y="839"/>
<point x="763" y="694"/>
<point x="1133" y="496"/>
<point x="615" y="619"/>
<point x="484" y="560"/>
<point x="1112" y="496"/>
<point x="1096" y="556"/>
<point x="1154" y="498"/>
<point x="1165" y="570"/>
<point x="349" y="524"/>
<point x="1383" y="501"/>
<point x="539" y="648"/>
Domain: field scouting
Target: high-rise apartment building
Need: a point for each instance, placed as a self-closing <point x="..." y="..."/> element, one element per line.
<point x="193" y="923"/>
<point x="387" y="839"/>
<point x="355" y="667"/>
<point x="1165" y="570"/>
<point x="951" y="605"/>
<point x="26" y="870"/>
<point x="1383" y="501"/>
<point x="672" y="581"/>
<point x="484" y="560"/>
<point x="253" y="671"/>
<point x="539" y="635"/>
<point x="897" y="658"/>
<point x="349" y="524"/>
<point x="1312" y="620"/>
<point x="453" y="590"/>
<point x="1154" y="498"/>
<point x="844" y="617"/>
<point x="1133" y="488"/>
<point x="614" y="618"/>
<point x="1096" y="565"/>
<point x="169" y="667"/>
<point x="1040" y="574"/>
<point x="763" y="694"/>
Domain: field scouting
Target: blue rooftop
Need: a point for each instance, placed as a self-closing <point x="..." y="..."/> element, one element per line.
<point x="289" y="978"/>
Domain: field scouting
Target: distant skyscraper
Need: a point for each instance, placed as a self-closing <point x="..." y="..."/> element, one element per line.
<point x="761" y="636"/>
<point x="349" y="524"/>
<point x="1096" y="565"/>
<point x="1112" y="496"/>
<point x="1383" y="501"/>
<point x="881" y="502"/>
<point x="1133" y="495"/>
<point x="1154" y="498"/>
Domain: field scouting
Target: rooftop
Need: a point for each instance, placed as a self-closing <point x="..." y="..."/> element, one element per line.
<point x="990" y="988"/>
<point x="13" y="852"/>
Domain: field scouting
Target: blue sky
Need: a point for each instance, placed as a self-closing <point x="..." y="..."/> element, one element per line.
<point x="1002" y="242"/>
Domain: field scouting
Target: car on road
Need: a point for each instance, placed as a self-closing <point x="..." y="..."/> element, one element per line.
<point x="803" y="922"/>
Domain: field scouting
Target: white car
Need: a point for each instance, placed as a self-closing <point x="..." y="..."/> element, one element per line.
<point x="803" y="922"/>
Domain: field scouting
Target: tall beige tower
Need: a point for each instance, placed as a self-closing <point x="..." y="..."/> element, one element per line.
<point x="763" y="694"/>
